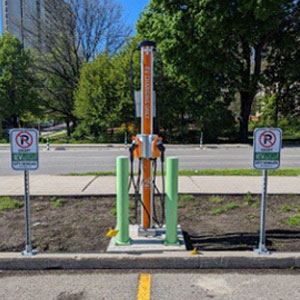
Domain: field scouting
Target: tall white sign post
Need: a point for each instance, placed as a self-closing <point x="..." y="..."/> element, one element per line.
<point x="25" y="157"/>
<point x="266" y="156"/>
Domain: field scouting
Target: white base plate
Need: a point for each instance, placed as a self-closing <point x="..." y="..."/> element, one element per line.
<point x="147" y="243"/>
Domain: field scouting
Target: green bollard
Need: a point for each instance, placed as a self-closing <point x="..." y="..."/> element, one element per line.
<point x="122" y="202"/>
<point x="171" y="201"/>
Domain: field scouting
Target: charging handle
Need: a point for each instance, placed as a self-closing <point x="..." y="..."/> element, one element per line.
<point x="156" y="152"/>
<point x="136" y="147"/>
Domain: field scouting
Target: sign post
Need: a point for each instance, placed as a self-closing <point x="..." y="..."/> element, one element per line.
<point x="25" y="157"/>
<point x="266" y="156"/>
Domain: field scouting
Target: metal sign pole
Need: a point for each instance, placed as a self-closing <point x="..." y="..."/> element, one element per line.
<point x="262" y="249"/>
<point x="28" y="248"/>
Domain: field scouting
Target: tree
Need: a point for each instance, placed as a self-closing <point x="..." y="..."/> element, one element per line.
<point x="18" y="96"/>
<point x="218" y="46"/>
<point x="97" y="99"/>
<point x="283" y="74"/>
<point x="76" y="32"/>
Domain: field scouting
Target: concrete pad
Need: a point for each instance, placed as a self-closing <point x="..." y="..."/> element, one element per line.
<point x="143" y="244"/>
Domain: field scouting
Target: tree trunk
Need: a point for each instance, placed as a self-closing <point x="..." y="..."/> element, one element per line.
<point x="68" y="128"/>
<point x="246" y="103"/>
<point x="15" y="121"/>
<point x="74" y="124"/>
<point x="250" y="83"/>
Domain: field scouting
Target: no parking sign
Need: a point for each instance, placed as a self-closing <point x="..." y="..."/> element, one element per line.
<point x="24" y="149"/>
<point x="267" y="146"/>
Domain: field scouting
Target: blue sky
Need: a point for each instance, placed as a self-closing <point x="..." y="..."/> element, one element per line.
<point x="132" y="9"/>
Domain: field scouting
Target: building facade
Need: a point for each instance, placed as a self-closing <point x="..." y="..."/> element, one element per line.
<point x="24" y="17"/>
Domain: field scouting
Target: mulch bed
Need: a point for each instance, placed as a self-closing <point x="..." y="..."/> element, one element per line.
<point x="208" y="222"/>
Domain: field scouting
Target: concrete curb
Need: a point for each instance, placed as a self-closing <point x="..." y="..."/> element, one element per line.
<point x="163" y="260"/>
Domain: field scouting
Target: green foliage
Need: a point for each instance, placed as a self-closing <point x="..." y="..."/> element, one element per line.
<point x="248" y="198"/>
<point x="218" y="50"/>
<point x="286" y="208"/>
<point x="56" y="203"/>
<point x="101" y="97"/>
<point x="187" y="197"/>
<point x="239" y="172"/>
<point x="293" y="221"/>
<point x="7" y="203"/>
<point x="18" y="98"/>
<point x="254" y="205"/>
<point x="215" y="199"/>
<point x="267" y="117"/>
<point x="113" y="212"/>
<point x="224" y="208"/>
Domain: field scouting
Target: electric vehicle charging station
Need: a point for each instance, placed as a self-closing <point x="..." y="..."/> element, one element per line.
<point x="147" y="147"/>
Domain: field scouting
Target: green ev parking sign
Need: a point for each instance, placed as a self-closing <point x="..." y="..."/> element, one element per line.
<point x="24" y="149"/>
<point x="267" y="146"/>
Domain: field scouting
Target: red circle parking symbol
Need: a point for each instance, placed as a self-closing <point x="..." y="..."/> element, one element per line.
<point x="24" y="139"/>
<point x="267" y="139"/>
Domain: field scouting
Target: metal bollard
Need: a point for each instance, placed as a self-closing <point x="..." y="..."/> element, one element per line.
<point x="122" y="202"/>
<point x="48" y="143"/>
<point x="201" y="141"/>
<point x="171" y="201"/>
<point x="125" y="140"/>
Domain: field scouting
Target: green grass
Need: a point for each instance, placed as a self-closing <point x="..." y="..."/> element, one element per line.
<point x="62" y="138"/>
<point x="215" y="199"/>
<point x="293" y="221"/>
<point x="239" y="172"/>
<point x="254" y="205"/>
<point x="208" y="172"/>
<point x="56" y="203"/>
<point x="224" y="208"/>
<point x="248" y="198"/>
<point x="113" y="212"/>
<point x="288" y="208"/>
<point x="7" y="203"/>
<point x="187" y="197"/>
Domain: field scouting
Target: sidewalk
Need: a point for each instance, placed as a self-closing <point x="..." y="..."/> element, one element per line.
<point x="53" y="185"/>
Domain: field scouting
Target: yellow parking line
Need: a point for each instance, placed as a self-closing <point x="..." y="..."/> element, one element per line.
<point x="144" y="288"/>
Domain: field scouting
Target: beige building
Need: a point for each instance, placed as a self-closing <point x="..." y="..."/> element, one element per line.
<point x="22" y="16"/>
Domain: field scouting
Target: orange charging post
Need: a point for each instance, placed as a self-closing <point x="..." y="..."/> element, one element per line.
<point x="147" y="146"/>
<point x="147" y="49"/>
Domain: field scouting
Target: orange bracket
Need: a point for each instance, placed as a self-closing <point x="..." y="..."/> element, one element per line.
<point x="137" y="152"/>
<point x="155" y="150"/>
